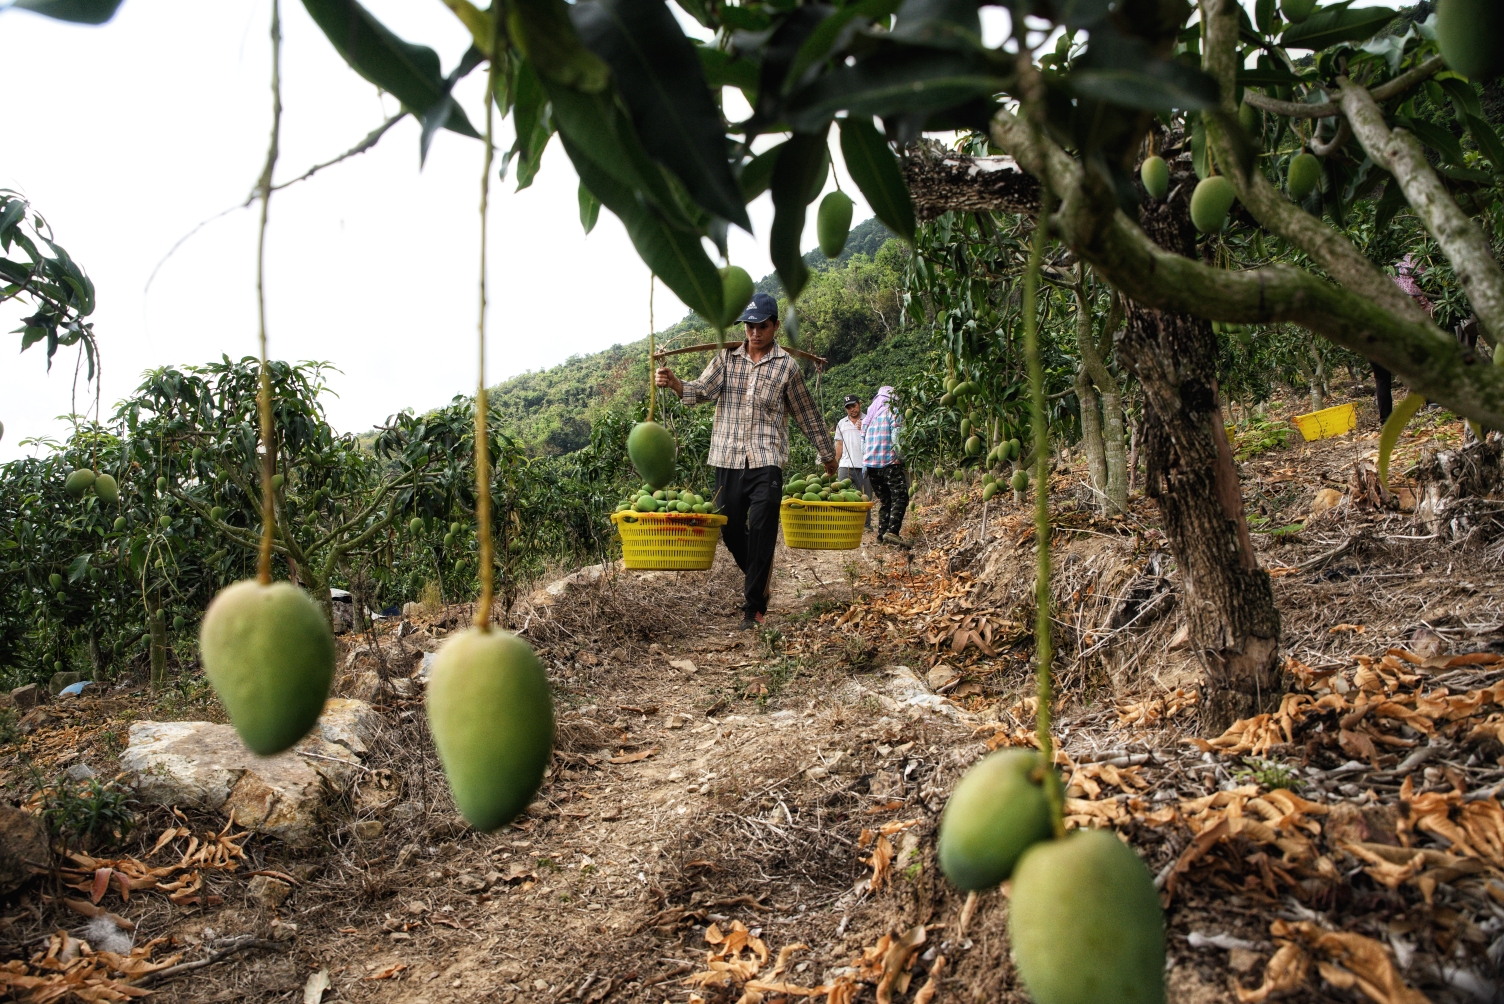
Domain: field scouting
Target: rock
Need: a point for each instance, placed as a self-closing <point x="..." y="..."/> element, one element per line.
<point x="425" y="669"/>
<point x="905" y="690"/>
<point x="1327" y="498"/>
<point x="411" y="610"/>
<point x="206" y="766"/>
<point x="1241" y="960"/>
<point x="557" y="589"/>
<point x="34" y="719"/>
<point x="269" y="892"/>
<point x="23" y="848"/>
<point x="79" y="772"/>
<point x="364" y="687"/>
<point x="351" y="723"/>
<point x="942" y="677"/>
<point x="1181" y="639"/>
<point x="368" y="829"/>
<point x="61" y="680"/>
<point x="683" y="665"/>
<point x="28" y="697"/>
<point x="886" y="784"/>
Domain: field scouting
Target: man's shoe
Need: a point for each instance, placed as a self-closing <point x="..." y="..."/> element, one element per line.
<point x="893" y="538"/>
<point x="752" y="622"/>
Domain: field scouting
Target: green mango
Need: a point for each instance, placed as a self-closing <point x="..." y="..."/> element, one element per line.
<point x="78" y="482"/>
<point x="1250" y="120"/>
<point x="965" y="428"/>
<point x="1211" y="202"/>
<point x="974" y="447"/>
<point x="119" y="523"/>
<point x="1020" y="481"/>
<point x="455" y="528"/>
<point x="492" y="720"/>
<point x="415" y="525"/>
<point x="652" y="450"/>
<point x="811" y="497"/>
<point x="161" y="484"/>
<point x="833" y="223"/>
<point x="736" y="292"/>
<point x="55" y="581"/>
<point x="448" y="540"/>
<point x="646" y="503"/>
<point x="198" y="453"/>
<point x="1014" y="449"/>
<point x="269" y="654"/>
<point x="62" y="597"/>
<point x="217" y="512"/>
<point x="106" y="488"/>
<point x="278" y="480"/>
<point x="1471" y="36"/>
<point x="1085" y="923"/>
<point x="164" y="521"/>
<point x="997" y="811"/>
<point x="797" y="487"/>
<point x="178" y="623"/>
<point x="947" y="399"/>
<point x="1155" y="174"/>
<point x="1303" y="176"/>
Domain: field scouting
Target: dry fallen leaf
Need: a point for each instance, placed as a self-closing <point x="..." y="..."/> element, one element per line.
<point x="313" y="990"/>
<point x="634" y="757"/>
<point x="388" y="972"/>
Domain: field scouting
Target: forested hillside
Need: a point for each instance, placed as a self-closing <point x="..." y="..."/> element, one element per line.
<point x="850" y="313"/>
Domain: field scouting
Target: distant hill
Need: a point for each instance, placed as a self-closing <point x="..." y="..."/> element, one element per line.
<point x="849" y="315"/>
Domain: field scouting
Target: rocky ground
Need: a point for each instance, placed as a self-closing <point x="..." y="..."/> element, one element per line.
<point x="750" y="816"/>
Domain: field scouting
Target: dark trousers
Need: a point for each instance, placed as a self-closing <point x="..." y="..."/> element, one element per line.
<point x="891" y="486"/>
<point x="749" y="497"/>
<point x="1383" y="387"/>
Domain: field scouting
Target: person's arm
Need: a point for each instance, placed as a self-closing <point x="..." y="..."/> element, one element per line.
<point x="802" y="404"/>
<point x="692" y="392"/>
<point x="840" y="443"/>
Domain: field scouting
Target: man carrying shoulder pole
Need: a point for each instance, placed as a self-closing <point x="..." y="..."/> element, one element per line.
<point x="755" y="387"/>
<point x="849" y="448"/>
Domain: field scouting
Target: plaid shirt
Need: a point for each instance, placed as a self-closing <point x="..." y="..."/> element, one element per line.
<point x="880" y="441"/>
<point x="753" y="402"/>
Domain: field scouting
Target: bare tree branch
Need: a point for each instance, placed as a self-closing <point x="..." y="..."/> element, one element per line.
<point x="1326" y="109"/>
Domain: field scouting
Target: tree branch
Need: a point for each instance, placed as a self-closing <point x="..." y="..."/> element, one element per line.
<point x="1326" y="109"/>
<point x="1461" y="239"/>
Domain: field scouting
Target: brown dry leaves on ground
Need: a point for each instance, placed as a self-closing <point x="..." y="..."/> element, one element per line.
<point x="70" y="969"/>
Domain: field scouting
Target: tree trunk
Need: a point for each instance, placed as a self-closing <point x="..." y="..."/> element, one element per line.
<point x="1101" y="403"/>
<point x="1091" y="435"/>
<point x="156" y="626"/>
<point x="1115" y="446"/>
<point x="1230" y="610"/>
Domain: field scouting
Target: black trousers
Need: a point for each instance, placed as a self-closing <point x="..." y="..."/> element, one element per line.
<point x="1383" y="382"/>
<point x="749" y="497"/>
<point x="891" y="486"/>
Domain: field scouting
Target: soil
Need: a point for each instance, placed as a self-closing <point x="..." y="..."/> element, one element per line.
<point x="707" y="777"/>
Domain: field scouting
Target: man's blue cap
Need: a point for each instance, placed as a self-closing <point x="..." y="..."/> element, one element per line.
<point x="760" y="309"/>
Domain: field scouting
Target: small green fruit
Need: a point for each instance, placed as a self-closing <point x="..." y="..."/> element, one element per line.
<point x="161" y="484"/>
<point x="974" y="446"/>
<point x="415" y="527"/>
<point x="989" y="491"/>
<point x="997" y="811"/>
<point x="198" y="453"/>
<point x="57" y="667"/>
<point x="1471" y="36"/>
<point x="652" y="450"/>
<point x="278" y="480"/>
<point x="119" y="523"/>
<point x="106" y="488"/>
<point x="965" y="428"/>
<point x="947" y="399"/>
<point x="1155" y="174"/>
<point x="1020" y="481"/>
<point x="178" y="623"/>
<point x="448" y="540"/>
<point x="270" y="655"/>
<point x="55" y="581"/>
<point x="78" y="482"/>
<point x="1014" y="449"/>
<point x="1211" y="202"/>
<point x="1249" y="119"/>
<point x="62" y="597"/>
<point x="164" y="521"/>
<point x="217" y="513"/>
<point x="492" y="720"/>
<point x="1296" y="10"/>
<point x="1303" y="177"/>
<point x="736" y="292"/>
<point x="1086" y="924"/>
<point x="161" y="614"/>
<point x="833" y="224"/>
<point x="455" y="528"/>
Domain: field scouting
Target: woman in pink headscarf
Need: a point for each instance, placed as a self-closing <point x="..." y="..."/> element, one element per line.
<point x="885" y="471"/>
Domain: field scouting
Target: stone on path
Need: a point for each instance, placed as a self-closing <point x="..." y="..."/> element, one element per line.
<point x="23" y="848"/>
<point x="206" y="765"/>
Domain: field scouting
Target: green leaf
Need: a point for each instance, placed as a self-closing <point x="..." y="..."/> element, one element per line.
<point x="1488" y="142"/>
<point x="590" y="208"/>
<point x="1435" y="137"/>
<point x="943" y="24"/>
<point x="1390" y="436"/>
<point x="1334" y="25"/>
<point x="531" y="122"/>
<point x="675" y="256"/>
<point x="410" y="73"/>
<point x="831" y="32"/>
<point x="725" y="70"/>
<point x="659" y="76"/>
<point x="1268" y="76"/>
<point x="803" y="159"/>
<point x="546" y="35"/>
<point x="1120" y="70"/>
<point x="756" y="176"/>
<point x="1263" y="15"/>
<point x="873" y="166"/>
<point x="77" y="11"/>
<point x="1464" y="99"/>
<point x="895" y="81"/>
<point x="1390" y="203"/>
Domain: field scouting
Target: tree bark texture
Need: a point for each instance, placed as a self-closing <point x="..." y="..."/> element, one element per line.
<point x="156" y="626"/>
<point x="1234" y="625"/>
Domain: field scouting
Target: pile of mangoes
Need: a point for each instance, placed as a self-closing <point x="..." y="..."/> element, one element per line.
<point x="666" y="500"/>
<point x="822" y="488"/>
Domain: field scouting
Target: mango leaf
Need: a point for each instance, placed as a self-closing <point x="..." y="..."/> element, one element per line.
<point x="1390" y="203"/>
<point x="722" y="69"/>
<point x="830" y="34"/>
<point x="660" y="78"/>
<point x="803" y="158"/>
<point x="675" y="256"/>
<point x="1334" y="25"/>
<point x="590" y="208"/>
<point x="1488" y="142"/>
<point x="776" y="54"/>
<point x="873" y="166"/>
<point x="1464" y="99"/>
<point x="1120" y="70"/>
<point x="1268" y="76"/>
<point x="1398" y="419"/>
<point x="895" y="81"/>
<point x="531" y="122"/>
<point x="410" y="73"/>
<point x="944" y="24"/>
<point x="77" y="11"/>
<point x="757" y="173"/>
<point x="475" y="20"/>
<point x="546" y="35"/>
<point x="79" y="567"/>
<point x="1263" y="15"/>
<point x="1434" y="136"/>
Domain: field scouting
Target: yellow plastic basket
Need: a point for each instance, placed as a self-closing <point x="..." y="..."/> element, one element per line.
<point x="823" y="526"/>
<point x="668" y="542"/>
<point x="1327" y="422"/>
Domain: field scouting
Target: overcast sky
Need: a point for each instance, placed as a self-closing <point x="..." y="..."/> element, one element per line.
<point x="126" y="136"/>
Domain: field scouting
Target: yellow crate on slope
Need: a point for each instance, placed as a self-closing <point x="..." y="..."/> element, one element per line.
<point x="668" y="542"/>
<point x="1327" y="422"/>
<point x="823" y="526"/>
